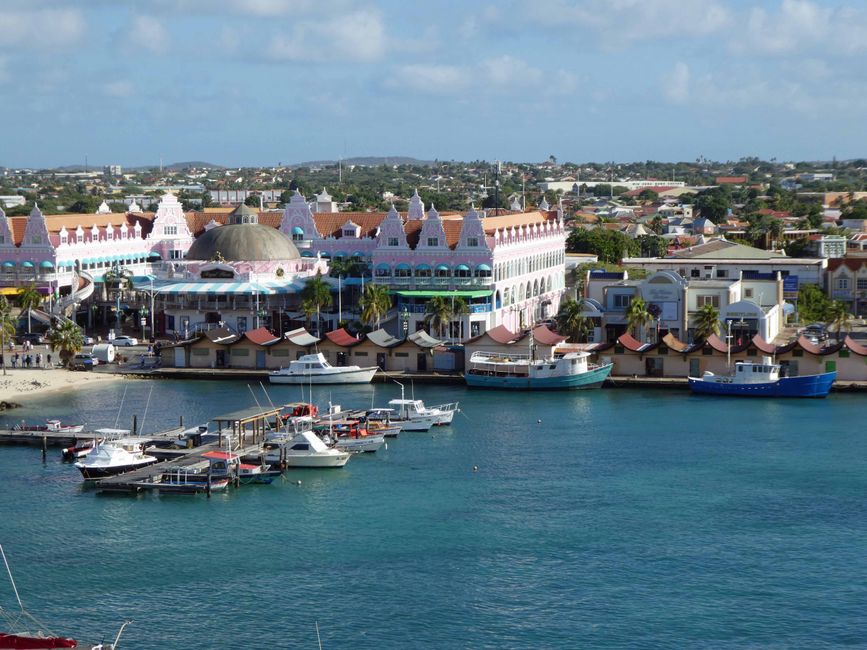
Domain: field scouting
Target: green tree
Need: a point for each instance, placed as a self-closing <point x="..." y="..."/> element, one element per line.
<point x="838" y="317"/>
<point x="317" y="293"/>
<point x="68" y="338"/>
<point x="374" y="303"/>
<point x="438" y="314"/>
<point x="648" y="195"/>
<point x="714" y="203"/>
<point x="813" y="304"/>
<point x="7" y="326"/>
<point x="609" y="245"/>
<point x="571" y="321"/>
<point x="706" y="322"/>
<point x="29" y="299"/>
<point x="637" y="315"/>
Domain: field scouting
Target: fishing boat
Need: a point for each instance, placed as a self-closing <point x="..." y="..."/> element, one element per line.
<point x="113" y="457"/>
<point x="350" y="435"/>
<point x="249" y="473"/>
<point x="79" y="449"/>
<point x="29" y="633"/>
<point x="571" y="370"/>
<point x="191" y="480"/>
<point x="764" y="379"/>
<point x="304" y="449"/>
<point x="50" y="426"/>
<point x="315" y="369"/>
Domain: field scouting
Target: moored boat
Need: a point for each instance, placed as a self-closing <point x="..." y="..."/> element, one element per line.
<point x="50" y="426"/>
<point x="762" y="380"/>
<point x="413" y="415"/>
<point x="113" y="457"/>
<point x="304" y="449"/>
<point x="350" y="435"/>
<point x="315" y="369"/>
<point x="571" y="370"/>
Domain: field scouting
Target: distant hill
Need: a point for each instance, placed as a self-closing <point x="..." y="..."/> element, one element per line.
<point x="366" y="161"/>
<point x="194" y="163"/>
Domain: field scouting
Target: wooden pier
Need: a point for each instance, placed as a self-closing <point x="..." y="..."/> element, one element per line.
<point x="63" y="439"/>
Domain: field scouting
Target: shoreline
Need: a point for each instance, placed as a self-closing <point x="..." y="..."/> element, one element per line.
<point x="19" y="384"/>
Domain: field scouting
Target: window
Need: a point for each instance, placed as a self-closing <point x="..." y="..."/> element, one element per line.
<point x="383" y="271"/>
<point x="392" y="241"/>
<point x="3" y="240"/>
<point x="695" y="273"/>
<point x="722" y="273"/>
<point x="175" y="255"/>
<point x="433" y="241"/>
<point x="701" y="301"/>
<point x="351" y="233"/>
<point x="170" y="230"/>
<point x="297" y="236"/>
<point x="748" y="293"/>
<point x="360" y="354"/>
<point x="472" y="241"/>
<point x="862" y="282"/>
<point x="842" y="283"/>
<point x="403" y="272"/>
<point x="622" y="300"/>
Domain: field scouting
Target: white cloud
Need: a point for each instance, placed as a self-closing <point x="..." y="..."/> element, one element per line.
<point x="148" y="32"/>
<point x="258" y="8"/>
<point x="616" y="21"/>
<point x="41" y="28"/>
<point x="676" y="84"/>
<point x="120" y="88"/>
<point x="509" y="71"/>
<point x="357" y="36"/>
<point x="431" y="79"/>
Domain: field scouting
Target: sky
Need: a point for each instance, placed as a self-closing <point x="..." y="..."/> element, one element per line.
<point x="261" y="82"/>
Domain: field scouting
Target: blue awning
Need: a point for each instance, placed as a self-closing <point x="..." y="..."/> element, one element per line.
<point x="442" y="267"/>
<point x="422" y="267"/>
<point x="462" y="267"/>
<point x="28" y="265"/>
<point x="7" y="264"/>
<point x="46" y="264"/>
<point x="402" y="267"/>
<point x="297" y="230"/>
<point x="358" y="254"/>
<point x="307" y="253"/>
<point x="153" y="255"/>
<point x="340" y="254"/>
<point x="324" y="254"/>
<point x="483" y="267"/>
<point x="383" y="267"/>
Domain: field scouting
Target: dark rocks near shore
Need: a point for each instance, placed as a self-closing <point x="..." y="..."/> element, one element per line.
<point x="5" y="406"/>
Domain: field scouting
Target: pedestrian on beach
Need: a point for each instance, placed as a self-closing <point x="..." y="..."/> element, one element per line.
<point x="38" y="359"/>
<point x="15" y="360"/>
<point x="48" y="359"/>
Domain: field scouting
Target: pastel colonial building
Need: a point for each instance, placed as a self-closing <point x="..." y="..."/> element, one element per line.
<point x="509" y="269"/>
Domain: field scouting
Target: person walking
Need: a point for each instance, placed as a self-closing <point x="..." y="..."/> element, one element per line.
<point x="48" y="359"/>
<point x="38" y="359"/>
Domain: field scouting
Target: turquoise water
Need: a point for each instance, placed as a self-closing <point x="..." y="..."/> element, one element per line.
<point x="626" y="518"/>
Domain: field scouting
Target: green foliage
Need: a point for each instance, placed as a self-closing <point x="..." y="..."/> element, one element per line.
<point x="652" y="246"/>
<point x="706" y="322"/>
<point x="714" y="203"/>
<point x="439" y="314"/>
<point x="637" y="315"/>
<point x="315" y="296"/>
<point x="855" y="210"/>
<point x="838" y="317"/>
<point x="648" y="195"/>
<point x="374" y="303"/>
<point x="7" y="325"/>
<point x="609" y="245"/>
<point x="571" y="322"/>
<point x="813" y="304"/>
<point x="29" y="299"/>
<point x="68" y="338"/>
<point x="348" y="267"/>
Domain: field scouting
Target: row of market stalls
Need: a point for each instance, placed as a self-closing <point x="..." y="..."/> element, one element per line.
<point x="261" y="349"/>
<point x="670" y="357"/>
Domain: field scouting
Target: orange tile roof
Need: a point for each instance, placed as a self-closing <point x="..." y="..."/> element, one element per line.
<point x="56" y="222"/>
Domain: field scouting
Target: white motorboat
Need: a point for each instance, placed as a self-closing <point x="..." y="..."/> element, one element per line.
<point x="114" y="457"/>
<point x="315" y="369"/>
<point x="414" y="411"/>
<point x="350" y="435"/>
<point x="52" y="426"/>
<point x="304" y="449"/>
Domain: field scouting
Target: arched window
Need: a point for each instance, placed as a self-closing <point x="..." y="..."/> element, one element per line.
<point x="402" y="271"/>
<point x="442" y="271"/>
<point x="297" y="233"/>
<point x="383" y="271"/>
<point x="422" y="271"/>
<point x="483" y="271"/>
<point x="535" y="287"/>
<point x="462" y="271"/>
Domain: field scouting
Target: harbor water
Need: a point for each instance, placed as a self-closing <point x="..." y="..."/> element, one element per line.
<point x="610" y="518"/>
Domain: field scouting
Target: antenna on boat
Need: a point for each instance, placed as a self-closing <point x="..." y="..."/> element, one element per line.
<point x="120" y="408"/>
<point x="119" y="632"/>
<point x="147" y="405"/>
<point x="11" y="579"/>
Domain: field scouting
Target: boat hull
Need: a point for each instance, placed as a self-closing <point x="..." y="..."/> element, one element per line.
<point x="360" y="376"/>
<point x="806" y="386"/>
<point x="96" y="473"/>
<point x="314" y="461"/>
<point x="367" y="444"/>
<point x="590" y="379"/>
<point x="27" y="642"/>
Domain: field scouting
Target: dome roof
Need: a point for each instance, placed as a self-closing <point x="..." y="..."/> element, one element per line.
<point x="243" y="243"/>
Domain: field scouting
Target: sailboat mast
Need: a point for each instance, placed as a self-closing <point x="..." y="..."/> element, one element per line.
<point x="11" y="579"/>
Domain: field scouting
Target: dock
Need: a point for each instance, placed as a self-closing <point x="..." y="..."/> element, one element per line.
<point x="63" y="439"/>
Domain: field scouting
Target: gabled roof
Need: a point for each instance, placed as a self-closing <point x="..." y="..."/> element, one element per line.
<point x="260" y="336"/>
<point x="383" y="339"/>
<point x="342" y="338"/>
<point x="301" y="337"/>
<point x="423" y="339"/>
<point x="631" y="343"/>
<point x="221" y="335"/>
<point x="545" y="336"/>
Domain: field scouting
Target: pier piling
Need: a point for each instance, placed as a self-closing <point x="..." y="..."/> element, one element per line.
<point x="44" y="448"/>
<point x="134" y="425"/>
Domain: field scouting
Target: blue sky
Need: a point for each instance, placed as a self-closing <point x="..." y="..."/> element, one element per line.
<point x="250" y="82"/>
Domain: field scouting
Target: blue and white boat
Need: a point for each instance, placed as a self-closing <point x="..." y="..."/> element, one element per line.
<point x="762" y="380"/>
<point x="572" y="370"/>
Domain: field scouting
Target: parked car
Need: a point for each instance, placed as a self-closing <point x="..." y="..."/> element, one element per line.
<point x="33" y="337"/>
<point x="89" y="340"/>
<point x="83" y="361"/>
<point x="124" y="341"/>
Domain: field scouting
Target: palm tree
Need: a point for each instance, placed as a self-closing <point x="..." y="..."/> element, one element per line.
<point x="374" y="303"/>
<point x="68" y="338"/>
<point x="706" y="322"/>
<point x="571" y="321"/>
<point x="775" y="230"/>
<point x="637" y="315"/>
<point x="29" y="299"/>
<point x="7" y="325"/>
<point x="439" y="314"/>
<point x="309" y="308"/>
<point x="459" y="308"/>
<point x="838" y="317"/>
<point x="318" y="292"/>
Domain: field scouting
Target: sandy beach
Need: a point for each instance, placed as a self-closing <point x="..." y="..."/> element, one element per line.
<point x="19" y="385"/>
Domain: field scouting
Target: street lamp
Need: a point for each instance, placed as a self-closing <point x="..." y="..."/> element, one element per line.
<point x="404" y="320"/>
<point x="144" y="311"/>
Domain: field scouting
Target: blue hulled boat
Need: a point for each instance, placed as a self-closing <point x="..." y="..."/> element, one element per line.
<point x="519" y="372"/>
<point x="762" y="380"/>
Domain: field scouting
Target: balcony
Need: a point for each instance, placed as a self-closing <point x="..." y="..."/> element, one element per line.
<point x="437" y="284"/>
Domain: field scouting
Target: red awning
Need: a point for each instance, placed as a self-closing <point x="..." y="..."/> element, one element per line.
<point x="763" y="346"/>
<point x="808" y="346"/>
<point x="219" y="455"/>
<point x="631" y="343"/>
<point x="716" y="343"/>
<point x="676" y="344"/>
<point x="855" y="347"/>
<point x="261" y="336"/>
<point x="545" y="336"/>
<point x="501" y="334"/>
<point x="342" y="338"/>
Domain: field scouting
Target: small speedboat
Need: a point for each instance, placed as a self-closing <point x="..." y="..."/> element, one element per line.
<point x="350" y="435"/>
<point x="304" y="449"/>
<point x="413" y="415"/>
<point x="114" y="457"/>
<point x="249" y="473"/>
<point x="50" y="426"/>
<point x="315" y="369"/>
<point x="79" y="449"/>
